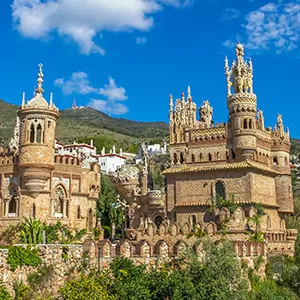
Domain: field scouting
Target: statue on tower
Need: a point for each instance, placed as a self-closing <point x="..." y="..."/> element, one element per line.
<point x="240" y="75"/>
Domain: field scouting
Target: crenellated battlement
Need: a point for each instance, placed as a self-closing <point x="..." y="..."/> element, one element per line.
<point x="67" y="160"/>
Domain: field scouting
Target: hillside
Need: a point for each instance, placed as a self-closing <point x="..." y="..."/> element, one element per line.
<point x="83" y="123"/>
<point x="120" y="125"/>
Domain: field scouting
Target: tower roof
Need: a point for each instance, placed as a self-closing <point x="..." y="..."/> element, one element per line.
<point x="38" y="101"/>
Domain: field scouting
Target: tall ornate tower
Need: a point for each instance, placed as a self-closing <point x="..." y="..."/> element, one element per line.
<point x="36" y="144"/>
<point x="241" y="105"/>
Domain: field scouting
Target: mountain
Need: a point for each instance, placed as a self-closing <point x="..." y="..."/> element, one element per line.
<point x="120" y="125"/>
<point x="84" y="123"/>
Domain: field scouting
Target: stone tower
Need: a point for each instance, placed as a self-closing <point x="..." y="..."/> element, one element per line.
<point x="241" y="103"/>
<point x="37" y="135"/>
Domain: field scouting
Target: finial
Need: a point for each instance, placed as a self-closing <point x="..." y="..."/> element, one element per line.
<point x="226" y="62"/>
<point x="189" y="92"/>
<point x="23" y="100"/>
<point x="182" y="97"/>
<point x="51" y="99"/>
<point x="239" y="49"/>
<point x="171" y="102"/>
<point x="40" y="80"/>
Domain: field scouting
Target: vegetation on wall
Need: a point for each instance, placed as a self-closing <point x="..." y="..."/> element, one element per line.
<point x="106" y="207"/>
<point x="4" y="293"/>
<point x="21" y="256"/>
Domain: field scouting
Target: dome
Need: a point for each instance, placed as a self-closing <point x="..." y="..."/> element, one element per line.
<point x="38" y="101"/>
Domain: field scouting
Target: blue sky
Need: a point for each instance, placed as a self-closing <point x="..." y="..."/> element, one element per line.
<point x="126" y="57"/>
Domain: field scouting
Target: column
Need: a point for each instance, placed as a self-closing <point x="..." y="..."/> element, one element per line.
<point x="6" y="207"/>
<point x="64" y="208"/>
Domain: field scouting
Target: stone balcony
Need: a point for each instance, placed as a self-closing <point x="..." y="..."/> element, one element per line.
<point x="155" y="198"/>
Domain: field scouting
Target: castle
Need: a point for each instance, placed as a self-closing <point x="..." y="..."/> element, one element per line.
<point x="230" y="180"/>
<point x="35" y="181"/>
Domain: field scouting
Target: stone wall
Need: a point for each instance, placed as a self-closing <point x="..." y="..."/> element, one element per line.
<point x="64" y="259"/>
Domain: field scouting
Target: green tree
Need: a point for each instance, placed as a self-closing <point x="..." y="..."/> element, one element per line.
<point x="85" y="287"/>
<point x="219" y="275"/>
<point x="106" y="207"/>
<point x="268" y="289"/>
<point x="130" y="281"/>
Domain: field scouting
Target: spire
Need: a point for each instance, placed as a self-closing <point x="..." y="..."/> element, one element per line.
<point x="51" y="99"/>
<point x="182" y="97"/>
<point x="240" y="74"/>
<point x="189" y="96"/>
<point x="23" y="100"/>
<point x="40" y="80"/>
<point x="171" y="102"/>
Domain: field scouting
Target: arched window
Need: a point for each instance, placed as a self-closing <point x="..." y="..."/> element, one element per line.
<point x="78" y="212"/>
<point x="181" y="158"/>
<point x="33" y="210"/>
<point x="60" y="196"/>
<point x="158" y="220"/>
<point x="194" y="220"/>
<point x="250" y="124"/>
<point x="209" y="157"/>
<point x="31" y="134"/>
<point x="220" y="189"/>
<point x="90" y="218"/>
<point x="233" y="154"/>
<point x="275" y="161"/>
<point x="193" y="158"/>
<point x="201" y="157"/>
<point x="12" y="206"/>
<point x="286" y="161"/>
<point x="39" y="134"/>
<point x="245" y="126"/>
<point x="218" y="155"/>
<point x="175" y="160"/>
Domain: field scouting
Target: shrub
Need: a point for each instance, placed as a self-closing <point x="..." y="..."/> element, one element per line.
<point x="19" y="256"/>
<point x="4" y="294"/>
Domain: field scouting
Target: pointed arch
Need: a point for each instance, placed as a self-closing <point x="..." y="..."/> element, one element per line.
<point x="220" y="189"/>
<point x="12" y="206"/>
<point x="59" y="200"/>
<point x="31" y="133"/>
<point x="39" y="131"/>
<point x="193" y="158"/>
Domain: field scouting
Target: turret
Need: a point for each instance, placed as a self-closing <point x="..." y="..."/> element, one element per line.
<point x="37" y="130"/>
<point x="241" y="103"/>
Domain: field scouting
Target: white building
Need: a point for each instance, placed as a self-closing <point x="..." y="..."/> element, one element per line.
<point x="152" y="150"/>
<point x="112" y="161"/>
<point x="75" y="149"/>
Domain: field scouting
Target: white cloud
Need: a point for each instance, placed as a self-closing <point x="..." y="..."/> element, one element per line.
<point x="230" y="13"/>
<point x="141" y="40"/>
<point x="109" y="107"/>
<point x="79" y="83"/>
<point x="274" y="26"/>
<point x="112" y="92"/>
<point x="83" y="20"/>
